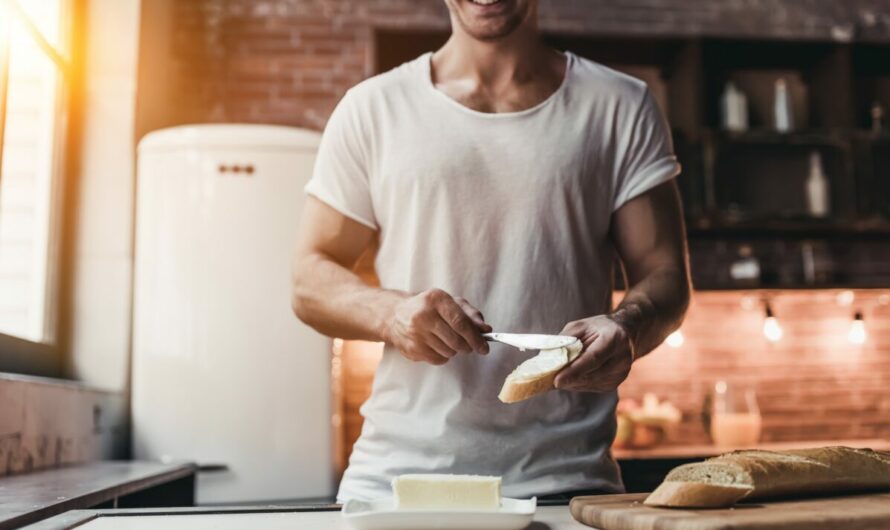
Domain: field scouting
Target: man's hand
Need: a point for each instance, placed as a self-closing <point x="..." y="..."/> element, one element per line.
<point x="604" y="362"/>
<point x="433" y="327"/>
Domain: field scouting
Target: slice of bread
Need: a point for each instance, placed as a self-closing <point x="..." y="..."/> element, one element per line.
<point x="771" y="475"/>
<point x="697" y="495"/>
<point x="535" y="376"/>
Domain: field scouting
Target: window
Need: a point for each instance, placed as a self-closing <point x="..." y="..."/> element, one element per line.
<point x="33" y="69"/>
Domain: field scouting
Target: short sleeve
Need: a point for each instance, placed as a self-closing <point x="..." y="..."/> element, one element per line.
<point x="340" y="178"/>
<point x="646" y="158"/>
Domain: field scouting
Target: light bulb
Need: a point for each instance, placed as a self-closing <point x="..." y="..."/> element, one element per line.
<point x="857" y="333"/>
<point x="675" y="339"/>
<point x="771" y="328"/>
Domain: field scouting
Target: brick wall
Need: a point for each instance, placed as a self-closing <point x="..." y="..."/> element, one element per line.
<point x="289" y="61"/>
<point x="811" y="385"/>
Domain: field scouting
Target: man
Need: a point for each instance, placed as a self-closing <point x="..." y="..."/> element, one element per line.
<point x="499" y="177"/>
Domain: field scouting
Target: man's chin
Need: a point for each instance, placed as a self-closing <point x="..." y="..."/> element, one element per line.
<point x="490" y="35"/>
<point x="490" y="22"/>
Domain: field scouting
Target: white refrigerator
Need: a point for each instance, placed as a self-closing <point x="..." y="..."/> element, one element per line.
<point x="222" y="371"/>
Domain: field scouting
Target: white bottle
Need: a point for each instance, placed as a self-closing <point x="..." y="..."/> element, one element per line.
<point x="734" y="107"/>
<point x="877" y="118"/>
<point x="746" y="269"/>
<point x="817" y="188"/>
<point x="782" y="107"/>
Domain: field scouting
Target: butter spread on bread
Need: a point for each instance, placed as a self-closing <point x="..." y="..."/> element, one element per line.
<point x="536" y="375"/>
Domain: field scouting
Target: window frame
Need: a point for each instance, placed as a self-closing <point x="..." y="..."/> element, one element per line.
<point x="20" y="355"/>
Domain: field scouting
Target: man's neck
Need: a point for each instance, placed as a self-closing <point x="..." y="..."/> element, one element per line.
<point x="510" y="75"/>
<point x="517" y="58"/>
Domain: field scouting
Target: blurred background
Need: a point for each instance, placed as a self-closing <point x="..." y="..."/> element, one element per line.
<point x="152" y="158"/>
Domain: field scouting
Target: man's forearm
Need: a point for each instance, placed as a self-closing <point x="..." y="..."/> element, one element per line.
<point x="336" y="302"/>
<point x="653" y="308"/>
<point x="430" y="326"/>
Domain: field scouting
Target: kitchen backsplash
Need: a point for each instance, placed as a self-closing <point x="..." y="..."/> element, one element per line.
<point x="813" y="384"/>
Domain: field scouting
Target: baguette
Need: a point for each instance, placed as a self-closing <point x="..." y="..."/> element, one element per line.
<point x="697" y="495"/>
<point x="535" y="376"/>
<point x="770" y="475"/>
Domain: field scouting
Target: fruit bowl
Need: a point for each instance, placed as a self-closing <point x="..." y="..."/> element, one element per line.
<point x="642" y="427"/>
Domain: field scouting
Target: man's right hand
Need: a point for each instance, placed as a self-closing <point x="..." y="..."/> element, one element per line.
<point x="433" y="327"/>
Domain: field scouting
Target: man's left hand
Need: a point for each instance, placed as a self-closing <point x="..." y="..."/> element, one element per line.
<point x="605" y="359"/>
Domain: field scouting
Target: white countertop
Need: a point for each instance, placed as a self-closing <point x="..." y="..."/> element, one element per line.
<point x="546" y="518"/>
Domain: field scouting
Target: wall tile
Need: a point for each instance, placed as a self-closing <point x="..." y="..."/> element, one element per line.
<point x="46" y="424"/>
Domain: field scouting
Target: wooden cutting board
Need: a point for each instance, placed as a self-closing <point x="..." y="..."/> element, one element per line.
<point x="626" y="512"/>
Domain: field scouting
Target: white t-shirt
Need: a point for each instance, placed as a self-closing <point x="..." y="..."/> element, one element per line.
<point x="510" y="211"/>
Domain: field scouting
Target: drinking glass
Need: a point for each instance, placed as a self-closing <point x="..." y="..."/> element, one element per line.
<point x="735" y="416"/>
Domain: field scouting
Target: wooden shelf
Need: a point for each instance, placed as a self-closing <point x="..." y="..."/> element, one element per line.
<point x="867" y="135"/>
<point x="811" y="137"/>
<point x="787" y="227"/>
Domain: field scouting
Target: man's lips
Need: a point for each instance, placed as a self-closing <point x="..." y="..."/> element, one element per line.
<point x="487" y="6"/>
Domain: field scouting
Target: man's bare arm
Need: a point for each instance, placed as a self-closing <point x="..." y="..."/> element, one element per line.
<point x="430" y="326"/>
<point x="327" y="294"/>
<point x="649" y="235"/>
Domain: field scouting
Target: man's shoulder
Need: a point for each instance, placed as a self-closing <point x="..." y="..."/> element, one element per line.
<point x="604" y="81"/>
<point x="403" y="77"/>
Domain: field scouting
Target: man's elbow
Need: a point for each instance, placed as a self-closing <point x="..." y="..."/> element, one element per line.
<point x="684" y="297"/>
<point x="299" y="304"/>
<point x="301" y="295"/>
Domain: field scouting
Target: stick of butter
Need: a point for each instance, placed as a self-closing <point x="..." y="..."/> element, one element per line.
<point x="446" y="492"/>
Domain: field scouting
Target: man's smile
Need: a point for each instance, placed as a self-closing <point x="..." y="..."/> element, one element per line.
<point x="488" y="6"/>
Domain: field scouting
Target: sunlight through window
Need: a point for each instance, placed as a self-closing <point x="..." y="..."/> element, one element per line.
<point x="31" y="125"/>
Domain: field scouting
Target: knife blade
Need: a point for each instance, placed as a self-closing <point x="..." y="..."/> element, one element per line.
<point x="531" y="341"/>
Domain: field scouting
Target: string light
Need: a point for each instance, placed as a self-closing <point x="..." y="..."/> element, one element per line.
<point x="748" y="302"/>
<point x="857" y="334"/>
<point x="845" y="298"/>
<point x="771" y="328"/>
<point x="675" y="339"/>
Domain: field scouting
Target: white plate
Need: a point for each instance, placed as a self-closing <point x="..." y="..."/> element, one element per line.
<point x="514" y="514"/>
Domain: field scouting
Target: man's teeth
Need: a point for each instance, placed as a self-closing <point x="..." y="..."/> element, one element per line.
<point x="485" y="2"/>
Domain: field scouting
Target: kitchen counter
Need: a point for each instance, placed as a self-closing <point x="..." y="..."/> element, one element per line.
<point x="257" y="518"/>
<point x="35" y="496"/>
